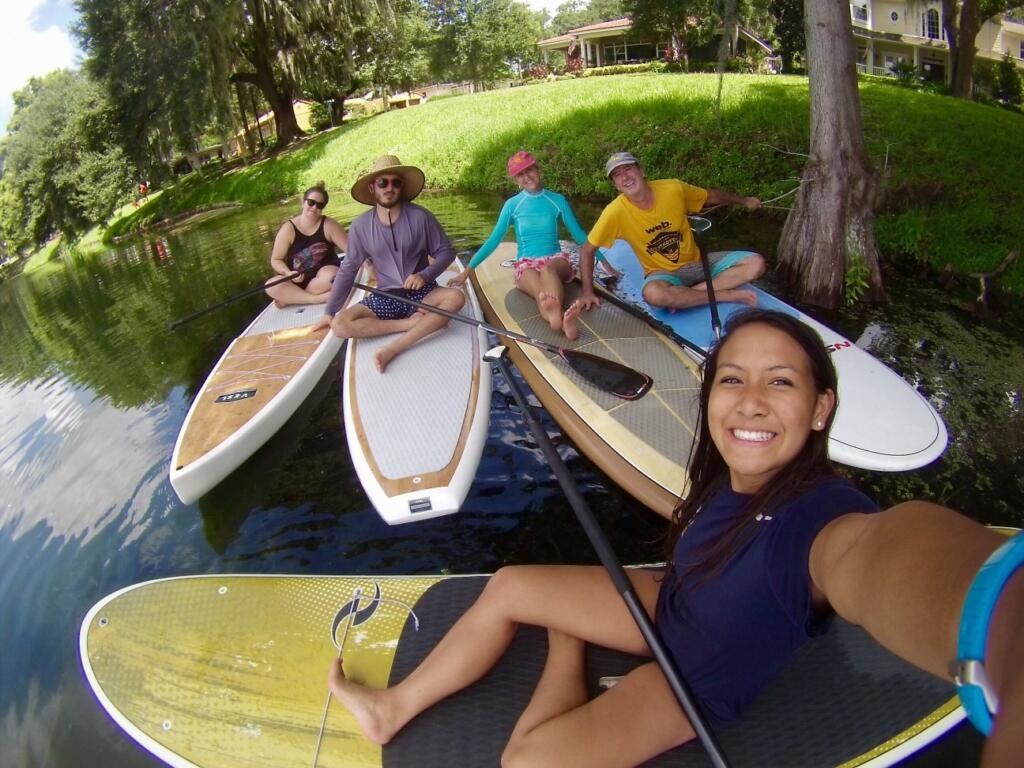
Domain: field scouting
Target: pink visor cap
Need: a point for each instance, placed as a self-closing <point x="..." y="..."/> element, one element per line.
<point x="519" y="162"/>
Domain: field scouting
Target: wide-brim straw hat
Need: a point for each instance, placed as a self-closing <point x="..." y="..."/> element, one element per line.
<point x="412" y="179"/>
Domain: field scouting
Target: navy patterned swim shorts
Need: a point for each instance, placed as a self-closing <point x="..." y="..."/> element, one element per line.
<point x="388" y="308"/>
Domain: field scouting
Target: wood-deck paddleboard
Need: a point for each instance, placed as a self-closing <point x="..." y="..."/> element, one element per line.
<point x="643" y="445"/>
<point x="416" y="432"/>
<point x="882" y="424"/>
<point x="255" y="387"/>
<point x="230" y="671"/>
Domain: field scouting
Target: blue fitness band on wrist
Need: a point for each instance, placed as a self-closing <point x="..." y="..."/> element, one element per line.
<point x="976" y="694"/>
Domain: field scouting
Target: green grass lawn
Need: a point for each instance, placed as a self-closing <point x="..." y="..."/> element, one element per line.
<point x="950" y="170"/>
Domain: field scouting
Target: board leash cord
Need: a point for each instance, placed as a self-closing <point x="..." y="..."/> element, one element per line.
<point x="355" y="616"/>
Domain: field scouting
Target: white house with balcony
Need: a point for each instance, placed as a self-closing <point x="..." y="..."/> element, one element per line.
<point x="612" y="42"/>
<point x="889" y="31"/>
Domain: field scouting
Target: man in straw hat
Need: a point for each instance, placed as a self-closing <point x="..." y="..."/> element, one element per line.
<point x="652" y="217"/>
<point x="398" y="236"/>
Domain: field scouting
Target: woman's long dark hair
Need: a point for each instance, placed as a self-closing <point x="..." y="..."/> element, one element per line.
<point x="708" y="470"/>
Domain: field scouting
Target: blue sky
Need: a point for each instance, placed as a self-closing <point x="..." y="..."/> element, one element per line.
<point x="34" y="40"/>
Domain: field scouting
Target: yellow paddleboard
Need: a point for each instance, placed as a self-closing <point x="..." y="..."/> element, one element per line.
<point x="223" y="671"/>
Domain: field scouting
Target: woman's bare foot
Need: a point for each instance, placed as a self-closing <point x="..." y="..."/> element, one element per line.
<point x="550" y="309"/>
<point x="569" y="320"/>
<point x="364" y="703"/>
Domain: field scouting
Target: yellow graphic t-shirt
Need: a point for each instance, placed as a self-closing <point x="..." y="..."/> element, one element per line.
<point x="660" y="237"/>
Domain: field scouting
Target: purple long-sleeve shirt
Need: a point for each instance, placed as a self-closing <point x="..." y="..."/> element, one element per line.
<point x="397" y="251"/>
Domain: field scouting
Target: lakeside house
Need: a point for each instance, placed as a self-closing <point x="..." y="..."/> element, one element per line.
<point x="886" y="32"/>
<point x="890" y="31"/>
<point x="610" y="42"/>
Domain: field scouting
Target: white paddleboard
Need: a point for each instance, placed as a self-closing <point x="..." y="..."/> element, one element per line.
<point x="255" y="387"/>
<point x="883" y="423"/>
<point x="417" y="431"/>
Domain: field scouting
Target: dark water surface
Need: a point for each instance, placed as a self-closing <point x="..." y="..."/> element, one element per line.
<point x="93" y="390"/>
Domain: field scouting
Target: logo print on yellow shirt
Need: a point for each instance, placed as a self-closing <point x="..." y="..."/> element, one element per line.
<point x="666" y="244"/>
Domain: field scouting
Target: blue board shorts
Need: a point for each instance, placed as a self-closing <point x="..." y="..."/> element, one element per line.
<point x="388" y="308"/>
<point x="693" y="272"/>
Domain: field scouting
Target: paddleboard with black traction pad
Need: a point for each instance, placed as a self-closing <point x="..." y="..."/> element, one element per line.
<point x="226" y="671"/>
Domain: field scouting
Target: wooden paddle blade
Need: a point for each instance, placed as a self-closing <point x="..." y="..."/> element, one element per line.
<point x="608" y="375"/>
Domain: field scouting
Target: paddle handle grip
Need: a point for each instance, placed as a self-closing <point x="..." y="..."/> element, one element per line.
<point x="606" y="555"/>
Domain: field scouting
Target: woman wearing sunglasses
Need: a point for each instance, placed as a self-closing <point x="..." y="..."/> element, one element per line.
<point x="307" y="246"/>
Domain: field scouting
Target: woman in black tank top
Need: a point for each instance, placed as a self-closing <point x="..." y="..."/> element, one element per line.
<point x="308" y="245"/>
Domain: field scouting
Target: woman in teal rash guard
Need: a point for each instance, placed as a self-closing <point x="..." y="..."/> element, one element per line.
<point x="541" y="269"/>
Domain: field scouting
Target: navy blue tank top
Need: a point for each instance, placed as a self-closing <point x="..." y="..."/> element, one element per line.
<point x="731" y="634"/>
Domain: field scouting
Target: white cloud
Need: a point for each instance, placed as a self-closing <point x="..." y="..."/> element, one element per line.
<point x="26" y="50"/>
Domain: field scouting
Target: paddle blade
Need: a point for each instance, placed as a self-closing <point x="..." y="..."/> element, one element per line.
<point x="608" y="375"/>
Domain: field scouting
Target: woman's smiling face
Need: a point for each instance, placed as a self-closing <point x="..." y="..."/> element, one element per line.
<point x="530" y="179"/>
<point x="763" y="404"/>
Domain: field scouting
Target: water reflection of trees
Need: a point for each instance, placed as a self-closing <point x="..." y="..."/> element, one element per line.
<point x="102" y="321"/>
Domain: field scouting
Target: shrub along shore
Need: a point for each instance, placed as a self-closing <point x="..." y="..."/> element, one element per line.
<point x="949" y="170"/>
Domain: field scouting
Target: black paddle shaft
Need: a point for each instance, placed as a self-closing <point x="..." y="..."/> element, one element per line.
<point x="700" y="224"/>
<point x="607" y="375"/>
<point x="615" y="570"/>
<point x="237" y="296"/>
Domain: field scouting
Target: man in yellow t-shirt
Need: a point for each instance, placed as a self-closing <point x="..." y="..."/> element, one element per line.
<point x="651" y="217"/>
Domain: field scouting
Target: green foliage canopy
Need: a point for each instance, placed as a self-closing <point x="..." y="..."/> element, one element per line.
<point x="481" y="40"/>
<point x="62" y="170"/>
<point x="578" y="13"/>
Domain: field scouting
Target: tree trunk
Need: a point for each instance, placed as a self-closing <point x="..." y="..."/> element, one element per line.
<point x="831" y="225"/>
<point x="949" y="26"/>
<point x="279" y="97"/>
<point x="963" y="64"/>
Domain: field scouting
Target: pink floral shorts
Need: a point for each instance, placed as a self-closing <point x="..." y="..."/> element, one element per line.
<point x="538" y="264"/>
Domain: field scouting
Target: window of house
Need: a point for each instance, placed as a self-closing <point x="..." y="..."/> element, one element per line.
<point x="1021" y="54"/>
<point x="615" y="53"/>
<point x="894" y="16"/>
<point x="930" y="24"/>
<point x="859" y="13"/>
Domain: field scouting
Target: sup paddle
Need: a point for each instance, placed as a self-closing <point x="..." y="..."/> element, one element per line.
<point x="615" y="570"/>
<point x="231" y="299"/>
<point x="699" y="224"/>
<point x="607" y="375"/>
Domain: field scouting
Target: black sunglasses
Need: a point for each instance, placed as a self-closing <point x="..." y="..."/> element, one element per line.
<point x="385" y="182"/>
<point x="315" y="203"/>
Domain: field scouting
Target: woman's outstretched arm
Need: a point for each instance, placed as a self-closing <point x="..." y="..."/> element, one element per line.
<point x="903" y="574"/>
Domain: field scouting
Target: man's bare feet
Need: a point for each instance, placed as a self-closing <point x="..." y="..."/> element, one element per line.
<point x="739" y="296"/>
<point x="364" y="703"/>
<point x="569" y="320"/>
<point x="383" y="356"/>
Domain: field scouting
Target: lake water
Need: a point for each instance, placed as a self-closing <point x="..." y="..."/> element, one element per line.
<point x="93" y="391"/>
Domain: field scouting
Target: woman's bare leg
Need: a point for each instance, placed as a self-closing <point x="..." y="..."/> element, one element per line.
<point x="579" y="601"/>
<point x="632" y="722"/>
<point x="323" y="280"/>
<point x="562" y="686"/>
